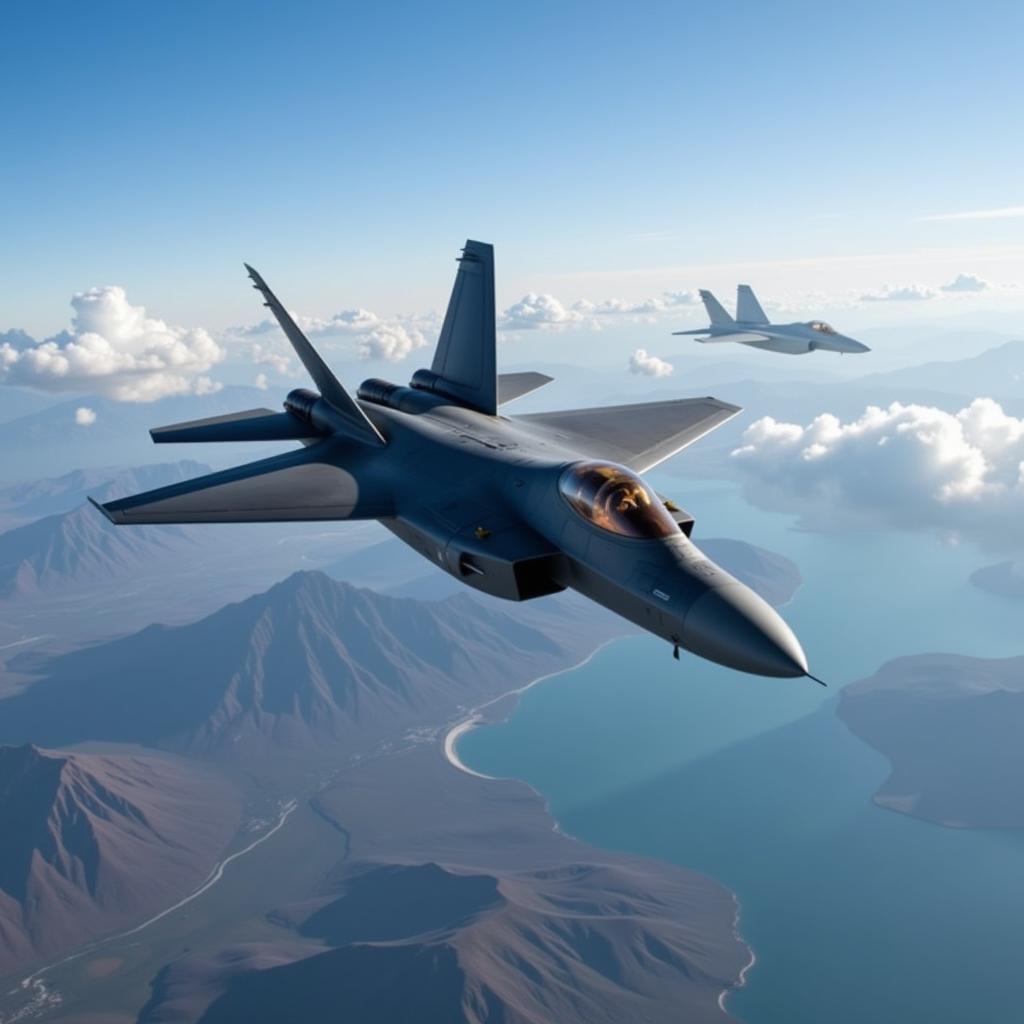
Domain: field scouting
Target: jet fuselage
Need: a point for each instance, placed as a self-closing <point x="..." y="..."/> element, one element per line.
<point x="483" y="498"/>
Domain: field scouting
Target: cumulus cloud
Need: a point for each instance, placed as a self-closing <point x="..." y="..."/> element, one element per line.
<point x="84" y="416"/>
<point x="642" y="362"/>
<point x="346" y="321"/>
<point x="390" y="341"/>
<point x="534" y="310"/>
<point x="115" y="349"/>
<point x="900" y="293"/>
<point x="375" y="337"/>
<point x="906" y="466"/>
<point x="967" y="283"/>
<point x="545" y="311"/>
<point x="276" y="353"/>
<point x="261" y="381"/>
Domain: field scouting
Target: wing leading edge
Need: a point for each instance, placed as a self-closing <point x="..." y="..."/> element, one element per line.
<point x="638" y="436"/>
<point x="299" y="485"/>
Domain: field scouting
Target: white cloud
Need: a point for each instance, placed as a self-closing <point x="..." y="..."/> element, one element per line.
<point x="685" y="298"/>
<point x="275" y="353"/>
<point x="84" y="416"/>
<point x="534" y="310"/>
<point x="113" y="348"/>
<point x="967" y="283"/>
<point x="907" y="466"/>
<point x="390" y="338"/>
<point x="391" y="341"/>
<point x="261" y="381"/>
<point x="1002" y="213"/>
<point x="901" y="293"/>
<point x="347" y="321"/>
<point x="545" y="311"/>
<point x="651" y="366"/>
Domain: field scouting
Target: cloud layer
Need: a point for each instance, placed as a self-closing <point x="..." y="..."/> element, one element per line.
<point x="535" y="311"/>
<point x="906" y="466"/>
<point x="114" y="349"/>
<point x="900" y="293"/>
<point x="390" y="339"/>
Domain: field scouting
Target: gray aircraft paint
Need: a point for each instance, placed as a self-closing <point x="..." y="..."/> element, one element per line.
<point x="751" y="327"/>
<point x="485" y="496"/>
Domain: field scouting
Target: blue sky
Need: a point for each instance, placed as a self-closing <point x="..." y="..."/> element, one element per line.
<point x="607" y="150"/>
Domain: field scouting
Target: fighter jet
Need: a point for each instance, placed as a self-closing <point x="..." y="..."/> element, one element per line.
<point x="751" y="327"/>
<point x="513" y="506"/>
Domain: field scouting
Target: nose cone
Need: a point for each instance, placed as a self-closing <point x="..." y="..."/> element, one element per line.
<point x="851" y="346"/>
<point x="735" y="627"/>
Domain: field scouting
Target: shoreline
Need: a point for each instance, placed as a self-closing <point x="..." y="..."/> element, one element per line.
<point x="475" y="717"/>
<point x="741" y="981"/>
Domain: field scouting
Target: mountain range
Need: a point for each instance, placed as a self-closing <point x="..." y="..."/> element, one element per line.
<point x="577" y="943"/>
<point x="90" y="843"/>
<point x="310" y="660"/>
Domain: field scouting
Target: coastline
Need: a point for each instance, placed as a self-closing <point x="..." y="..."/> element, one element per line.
<point x="475" y="716"/>
<point x="741" y="981"/>
<point x="449" y="747"/>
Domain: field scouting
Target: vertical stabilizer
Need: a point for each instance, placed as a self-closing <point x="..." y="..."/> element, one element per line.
<point x="716" y="313"/>
<point x="748" y="309"/>
<point x="465" y="363"/>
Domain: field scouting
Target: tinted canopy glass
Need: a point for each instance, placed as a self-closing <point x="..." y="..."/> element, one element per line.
<point x="820" y="325"/>
<point x="616" y="499"/>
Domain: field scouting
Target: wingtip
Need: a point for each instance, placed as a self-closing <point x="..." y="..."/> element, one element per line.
<point x="106" y="513"/>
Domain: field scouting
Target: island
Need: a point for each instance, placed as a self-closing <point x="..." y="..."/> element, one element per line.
<point x="951" y="728"/>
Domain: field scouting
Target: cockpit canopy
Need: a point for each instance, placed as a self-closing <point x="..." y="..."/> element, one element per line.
<point x="822" y="327"/>
<point x="616" y="499"/>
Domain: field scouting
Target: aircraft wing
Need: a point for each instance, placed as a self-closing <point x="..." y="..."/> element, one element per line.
<point x="740" y="336"/>
<point x="638" y="436"/>
<point x="251" y="425"/>
<point x="298" y="485"/>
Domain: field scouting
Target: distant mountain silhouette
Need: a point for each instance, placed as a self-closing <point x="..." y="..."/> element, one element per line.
<point x="578" y="943"/>
<point x="78" y="547"/>
<point x="24" y="502"/>
<point x="48" y="442"/>
<point x="997" y="372"/>
<point x="310" y="659"/>
<point x="81" y="549"/>
<point x="75" y="831"/>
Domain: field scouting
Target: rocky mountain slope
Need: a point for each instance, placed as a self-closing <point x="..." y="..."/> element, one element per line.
<point x="577" y="942"/>
<point x="310" y="660"/>
<point x="91" y="843"/>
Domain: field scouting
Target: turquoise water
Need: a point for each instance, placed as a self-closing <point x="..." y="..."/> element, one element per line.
<point x="855" y="913"/>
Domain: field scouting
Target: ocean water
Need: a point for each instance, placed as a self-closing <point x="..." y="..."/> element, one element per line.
<point x="855" y="913"/>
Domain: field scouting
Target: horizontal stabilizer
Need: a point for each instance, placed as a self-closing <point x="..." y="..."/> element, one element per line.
<point x="359" y="426"/>
<point x="638" y="436"/>
<point x="514" y="385"/>
<point x="251" y="425"/>
<point x="297" y="485"/>
<point x="740" y="336"/>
